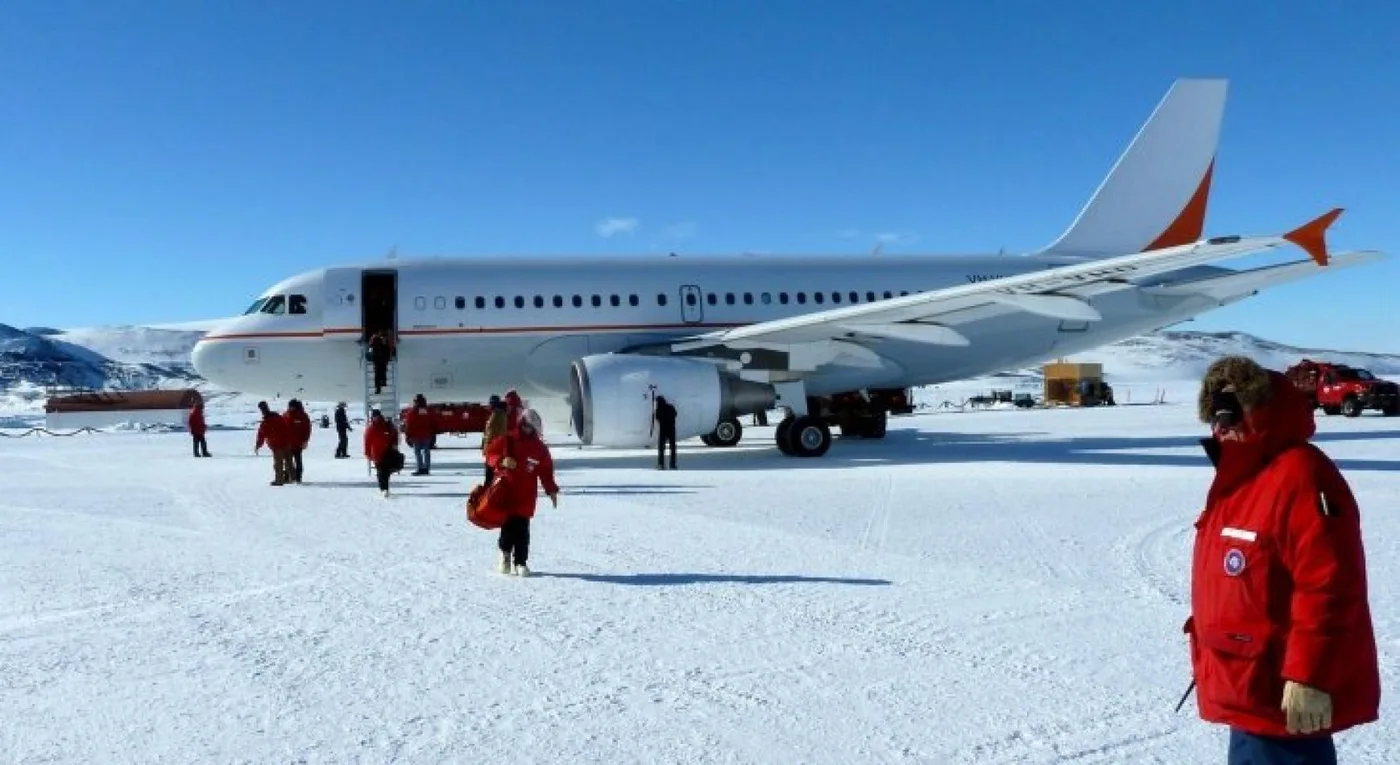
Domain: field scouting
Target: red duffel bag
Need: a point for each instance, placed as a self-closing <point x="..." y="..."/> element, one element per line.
<point x="486" y="505"/>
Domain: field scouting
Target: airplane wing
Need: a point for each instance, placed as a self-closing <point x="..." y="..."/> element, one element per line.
<point x="1057" y="292"/>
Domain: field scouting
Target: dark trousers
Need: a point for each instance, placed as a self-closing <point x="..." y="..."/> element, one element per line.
<point x="1253" y="749"/>
<point x="666" y="437"/>
<point x="342" y="444"/>
<point x="201" y="447"/>
<point x="490" y="474"/>
<point x="381" y="374"/>
<point x="294" y="458"/>
<point x="515" y="536"/>
<point x="281" y="466"/>
<point x="382" y="472"/>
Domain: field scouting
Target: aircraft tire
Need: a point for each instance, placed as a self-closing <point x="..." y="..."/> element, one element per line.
<point x="780" y="436"/>
<point x="727" y="433"/>
<point x="809" y="437"/>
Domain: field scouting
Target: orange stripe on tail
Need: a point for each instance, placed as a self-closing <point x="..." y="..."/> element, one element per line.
<point x="1191" y="221"/>
<point x="1312" y="236"/>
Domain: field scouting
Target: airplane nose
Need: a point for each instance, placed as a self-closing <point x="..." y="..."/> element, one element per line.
<point x="210" y="360"/>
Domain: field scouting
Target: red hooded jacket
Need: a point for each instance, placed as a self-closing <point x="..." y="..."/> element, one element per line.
<point x="274" y="432"/>
<point x="533" y="466"/>
<point x="1278" y="577"/>
<point x="298" y="428"/>
<point x="380" y="435"/>
<point x="418" y="424"/>
<point x="196" y="423"/>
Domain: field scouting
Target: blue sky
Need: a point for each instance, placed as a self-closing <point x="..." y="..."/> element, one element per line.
<point x="166" y="160"/>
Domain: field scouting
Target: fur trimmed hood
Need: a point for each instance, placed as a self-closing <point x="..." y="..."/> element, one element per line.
<point x="1250" y="381"/>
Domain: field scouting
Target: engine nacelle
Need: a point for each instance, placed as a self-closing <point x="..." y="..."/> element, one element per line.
<point x="611" y="395"/>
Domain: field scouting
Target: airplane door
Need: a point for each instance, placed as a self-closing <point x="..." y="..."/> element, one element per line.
<point x="692" y="307"/>
<point x="341" y="317"/>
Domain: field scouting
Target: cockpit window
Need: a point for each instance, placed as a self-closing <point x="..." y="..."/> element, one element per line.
<point x="255" y="306"/>
<point x="275" y="305"/>
<point x="296" y="304"/>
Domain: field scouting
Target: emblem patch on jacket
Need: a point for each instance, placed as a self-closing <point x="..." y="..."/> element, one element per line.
<point x="1234" y="561"/>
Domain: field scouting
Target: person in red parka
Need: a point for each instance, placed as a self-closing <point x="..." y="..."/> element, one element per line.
<point x="299" y="432"/>
<point x="382" y="449"/>
<point x="198" y="429"/>
<point x="522" y="462"/>
<point x="274" y="432"/>
<point x="418" y="430"/>
<point x="514" y="407"/>
<point x="1281" y="643"/>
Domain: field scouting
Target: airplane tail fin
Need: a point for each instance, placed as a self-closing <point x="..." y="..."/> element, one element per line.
<point x="1155" y="196"/>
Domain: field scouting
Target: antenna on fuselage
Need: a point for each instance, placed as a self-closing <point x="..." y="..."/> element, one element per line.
<point x="393" y="253"/>
<point x="879" y="249"/>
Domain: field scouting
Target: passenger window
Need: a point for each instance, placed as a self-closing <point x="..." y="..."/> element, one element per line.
<point x="539" y="301"/>
<point x="690" y="298"/>
<point x="500" y="302"/>
<point x="783" y="298"/>
<point x="296" y="304"/>
<point x="748" y="298"/>
<point x="802" y="298"/>
<point x="729" y="298"/>
<point x="558" y="301"/>
<point x="480" y="302"/>
<point x="439" y="303"/>
<point x="888" y="295"/>
<point x="712" y="299"/>
<point x="904" y="293"/>
<point x="275" y="305"/>
<point x="633" y="301"/>
<point x="597" y="300"/>
<point x="818" y="298"/>
<point x="835" y="297"/>
<point x="615" y="300"/>
<point x="661" y="299"/>
<point x="766" y="298"/>
<point x="578" y="301"/>
<point x="870" y="297"/>
<point x="461" y="303"/>
<point x="855" y="296"/>
<point x="421" y="303"/>
<point x="519" y="301"/>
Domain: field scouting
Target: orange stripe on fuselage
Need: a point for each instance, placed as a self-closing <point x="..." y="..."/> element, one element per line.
<point x="1191" y="221"/>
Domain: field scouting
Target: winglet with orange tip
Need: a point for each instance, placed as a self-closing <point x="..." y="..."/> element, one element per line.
<point x="1312" y="236"/>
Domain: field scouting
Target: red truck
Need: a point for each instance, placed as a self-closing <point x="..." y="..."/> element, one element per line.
<point x="1340" y="389"/>
<point x="456" y="418"/>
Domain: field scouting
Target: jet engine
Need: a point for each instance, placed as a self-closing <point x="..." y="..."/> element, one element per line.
<point x="611" y="396"/>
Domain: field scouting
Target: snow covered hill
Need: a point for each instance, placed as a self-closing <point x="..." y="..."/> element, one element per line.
<point x="122" y="357"/>
<point x="32" y="361"/>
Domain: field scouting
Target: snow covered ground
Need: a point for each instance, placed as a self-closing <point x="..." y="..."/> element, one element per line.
<point x="980" y="587"/>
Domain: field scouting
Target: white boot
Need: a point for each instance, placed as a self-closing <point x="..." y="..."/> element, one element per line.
<point x="522" y="570"/>
<point x="385" y="493"/>
<point x="504" y="565"/>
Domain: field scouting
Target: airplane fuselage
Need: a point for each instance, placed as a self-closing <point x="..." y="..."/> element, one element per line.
<point x="470" y="328"/>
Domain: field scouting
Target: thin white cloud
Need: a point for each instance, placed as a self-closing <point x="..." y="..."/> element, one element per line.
<point x="608" y="227"/>
<point x="897" y="237"/>
<point x="848" y="233"/>
<point x="683" y="230"/>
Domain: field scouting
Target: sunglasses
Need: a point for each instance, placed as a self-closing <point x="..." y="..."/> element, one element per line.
<point x="1226" y="409"/>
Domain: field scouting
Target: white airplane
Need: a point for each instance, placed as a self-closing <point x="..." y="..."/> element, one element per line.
<point x="831" y="340"/>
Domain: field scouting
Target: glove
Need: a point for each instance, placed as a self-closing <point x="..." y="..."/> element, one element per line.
<point x="508" y="463"/>
<point x="1308" y="710"/>
<point x="554" y="500"/>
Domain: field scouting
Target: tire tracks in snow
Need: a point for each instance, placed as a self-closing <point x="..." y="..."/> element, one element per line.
<point x="1151" y="550"/>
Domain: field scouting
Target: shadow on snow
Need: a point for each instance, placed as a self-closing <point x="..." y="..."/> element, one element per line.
<point x="671" y="580"/>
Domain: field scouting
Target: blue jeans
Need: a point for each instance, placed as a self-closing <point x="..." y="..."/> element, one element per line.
<point x="1253" y="749"/>
<point x="423" y="456"/>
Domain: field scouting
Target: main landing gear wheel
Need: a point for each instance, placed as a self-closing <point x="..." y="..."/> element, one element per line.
<point x="727" y="433"/>
<point x="804" y="437"/>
